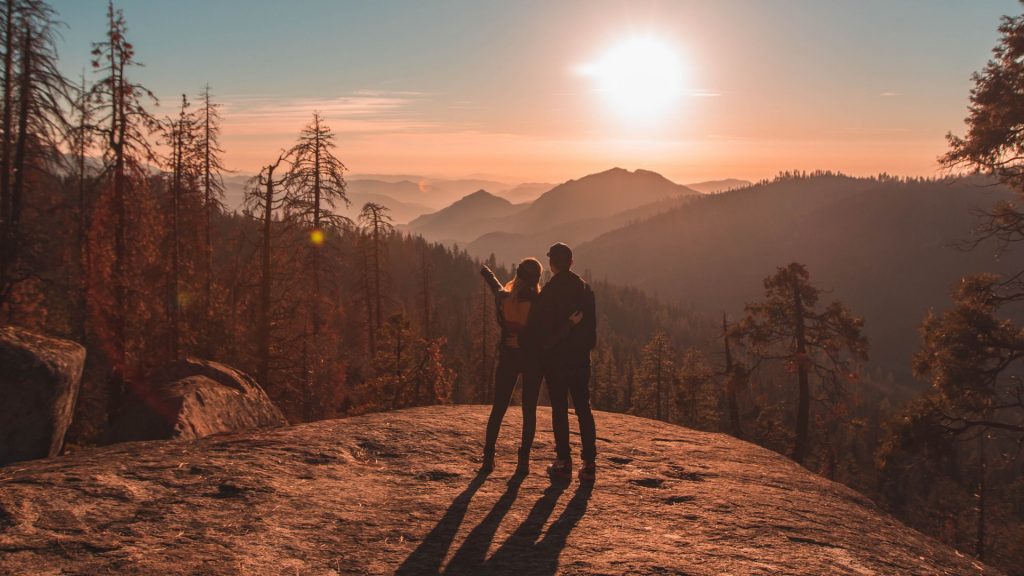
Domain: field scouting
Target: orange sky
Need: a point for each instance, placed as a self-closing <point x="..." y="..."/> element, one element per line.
<point x="517" y="91"/>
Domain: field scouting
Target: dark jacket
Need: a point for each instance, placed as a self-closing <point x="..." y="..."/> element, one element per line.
<point x="561" y="342"/>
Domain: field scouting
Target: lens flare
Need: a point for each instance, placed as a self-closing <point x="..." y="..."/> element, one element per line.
<point x="316" y="237"/>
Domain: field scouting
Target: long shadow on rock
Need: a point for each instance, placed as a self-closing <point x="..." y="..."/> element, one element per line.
<point x="549" y="549"/>
<point x="428" y="556"/>
<point x="470" y="557"/>
<point x="525" y="551"/>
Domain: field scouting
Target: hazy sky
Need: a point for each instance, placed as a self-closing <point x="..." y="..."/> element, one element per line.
<point x="501" y="88"/>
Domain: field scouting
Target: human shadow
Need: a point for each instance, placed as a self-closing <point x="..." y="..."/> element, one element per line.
<point x="428" y="556"/>
<point x="472" y="553"/>
<point x="526" y="551"/>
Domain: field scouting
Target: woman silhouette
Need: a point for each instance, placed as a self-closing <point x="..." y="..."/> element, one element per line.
<point x="518" y="356"/>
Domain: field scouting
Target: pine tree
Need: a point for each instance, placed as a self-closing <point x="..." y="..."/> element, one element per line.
<point x="376" y="225"/>
<point x="696" y="396"/>
<point x="36" y="97"/>
<point x="180" y="136"/>
<point x="735" y="373"/>
<point x="787" y="327"/>
<point x="314" y="184"/>
<point x="261" y="199"/>
<point x="211" y="170"/>
<point x="653" y="381"/>
<point x="123" y="123"/>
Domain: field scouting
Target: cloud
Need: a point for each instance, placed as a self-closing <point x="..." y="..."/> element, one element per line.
<point x="359" y="112"/>
<point x="890" y="94"/>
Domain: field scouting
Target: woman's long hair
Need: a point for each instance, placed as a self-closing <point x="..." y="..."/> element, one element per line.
<point x="526" y="284"/>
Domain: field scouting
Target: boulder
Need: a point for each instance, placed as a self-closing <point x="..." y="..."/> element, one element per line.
<point x="191" y="399"/>
<point x="39" y="381"/>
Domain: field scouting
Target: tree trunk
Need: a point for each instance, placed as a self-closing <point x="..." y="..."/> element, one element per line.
<point x="175" y="239"/>
<point x="207" y="243"/>
<point x="804" y="402"/>
<point x="982" y="465"/>
<point x="657" y="385"/>
<point x="8" y="122"/>
<point x="730" y="384"/>
<point x="377" y="271"/>
<point x="263" y="334"/>
<point x="84" y="263"/>
<point x="425" y="278"/>
<point x="17" y="192"/>
<point x="371" y="331"/>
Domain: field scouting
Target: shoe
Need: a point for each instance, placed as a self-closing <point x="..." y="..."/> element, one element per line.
<point x="487" y="466"/>
<point x="560" y="470"/>
<point x="588" y="472"/>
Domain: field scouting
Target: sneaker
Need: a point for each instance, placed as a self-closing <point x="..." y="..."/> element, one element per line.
<point x="560" y="470"/>
<point x="588" y="472"/>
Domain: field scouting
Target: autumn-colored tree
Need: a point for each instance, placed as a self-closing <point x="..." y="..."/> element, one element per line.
<point x="788" y="327"/>
<point x="123" y="123"/>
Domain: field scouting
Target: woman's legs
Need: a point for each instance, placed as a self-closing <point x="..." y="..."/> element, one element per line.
<point x="504" y="383"/>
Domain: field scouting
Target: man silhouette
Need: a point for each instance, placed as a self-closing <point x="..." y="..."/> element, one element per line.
<point x="567" y="326"/>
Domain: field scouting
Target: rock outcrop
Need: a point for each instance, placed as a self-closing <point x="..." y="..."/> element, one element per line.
<point x="39" y="382"/>
<point x="192" y="399"/>
<point x="398" y="493"/>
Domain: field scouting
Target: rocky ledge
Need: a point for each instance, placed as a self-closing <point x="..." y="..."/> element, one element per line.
<point x="398" y="492"/>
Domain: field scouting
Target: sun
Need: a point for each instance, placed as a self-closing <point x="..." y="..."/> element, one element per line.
<point x="641" y="78"/>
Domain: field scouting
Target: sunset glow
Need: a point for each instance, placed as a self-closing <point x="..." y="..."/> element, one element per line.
<point x="641" y="78"/>
<point x="713" y="90"/>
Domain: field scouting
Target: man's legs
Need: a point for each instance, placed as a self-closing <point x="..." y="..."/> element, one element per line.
<point x="558" y="390"/>
<point x="579" y="388"/>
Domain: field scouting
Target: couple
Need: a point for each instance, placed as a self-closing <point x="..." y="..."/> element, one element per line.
<point x="545" y="333"/>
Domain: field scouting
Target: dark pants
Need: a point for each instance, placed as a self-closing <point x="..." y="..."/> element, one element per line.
<point x="574" y="380"/>
<point x="512" y="364"/>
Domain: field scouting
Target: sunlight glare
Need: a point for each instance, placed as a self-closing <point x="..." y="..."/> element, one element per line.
<point x="316" y="237"/>
<point x="642" y="78"/>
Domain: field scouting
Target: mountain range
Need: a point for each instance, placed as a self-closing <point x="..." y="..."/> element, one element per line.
<point x="572" y="212"/>
<point x="886" y="248"/>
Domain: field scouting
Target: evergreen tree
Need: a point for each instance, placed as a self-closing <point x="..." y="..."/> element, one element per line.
<point x="210" y="173"/>
<point x="653" y="381"/>
<point x="376" y="226"/>
<point x="788" y="327"/>
<point x="262" y="201"/>
<point x="696" y="397"/>
<point x="123" y="123"/>
<point x="36" y="97"/>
